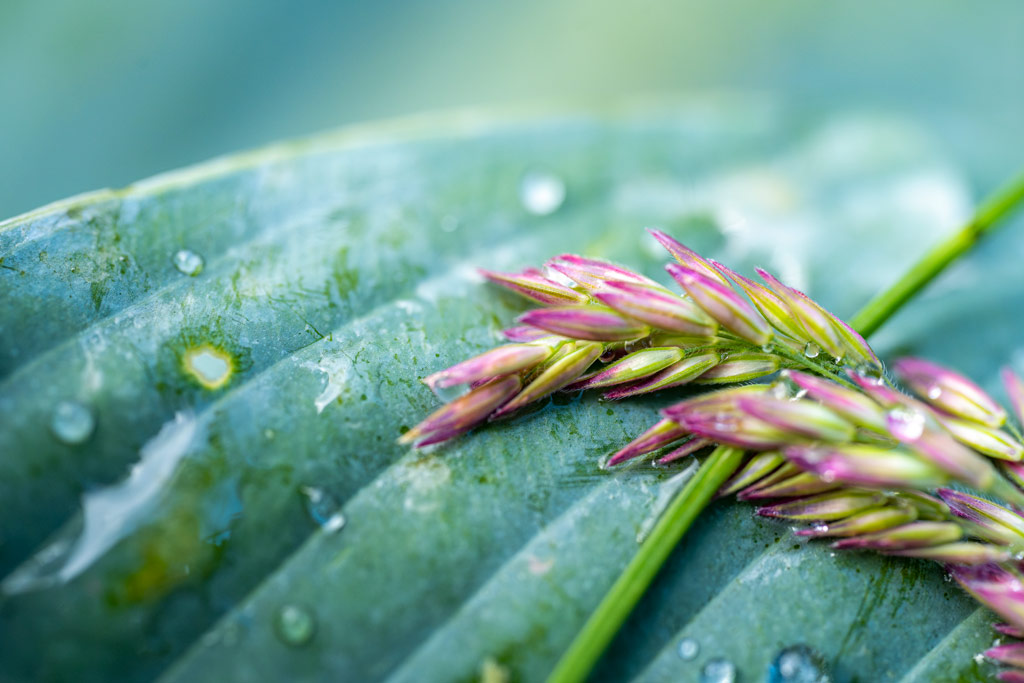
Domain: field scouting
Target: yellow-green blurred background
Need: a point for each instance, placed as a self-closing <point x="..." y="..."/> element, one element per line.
<point x="100" y="93"/>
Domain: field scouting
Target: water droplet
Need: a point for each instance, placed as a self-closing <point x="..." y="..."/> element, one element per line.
<point x="934" y="392"/>
<point x="295" y="625"/>
<point x="780" y="390"/>
<point x="768" y="348"/>
<point x="210" y="366"/>
<point x="798" y="664"/>
<point x="870" y="372"/>
<point x="449" y="394"/>
<point x="906" y="424"/>
<point x="688" y="649"/>
<point x="72" y="423"/>
<point x="718" y="671"/>
<point x="188" y="262"/>
<point x="541" y="193"/>
<point x="811" y="350"/>
<point x="323" y="509"/>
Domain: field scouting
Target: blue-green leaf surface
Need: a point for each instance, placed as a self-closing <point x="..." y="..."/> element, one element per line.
<point x="241" y="511"/>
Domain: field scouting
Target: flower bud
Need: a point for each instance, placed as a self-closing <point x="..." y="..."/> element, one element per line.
<point x="691" y="446"/>
<point x="800" y="483"/>
<point x="663" y="433"/>
<point x="774" y="309"/>
<point x="503" y="360"/>
<point x="636" y="365"/>
<point x="592" y="323"/>
<point x="826" y="507"/>
<point x="916" y="428"/>
<point x="861" y="523"/>
<point x="757" y="468"/>
<point x="532" y="284"/>
<point x="557" y="375"/>
<point x="1015" y="390"/>
<point x="985" y="519"/>
<point x="816" y="321"/>
<point x="723" y="304"/>
<point x="593" y="274"/>
<point x="658" y="308"/>
<point x="993" y="442"/>
<point x="801" y="418"/>
<point x="463" y="413"/>
<point x="858" y="465"/>
<point x="688" y="257"/>
<point x="740" y="367"/>
<point x="1000" y="588"/>
<point x="1011" y="654"/>
<point x="962" y="553"/>
<point x="905" y="537"/>
<point x="855" y="407"/>
<point x="949" y="391"/>
<point x="525" y="333"/>
<point x="674" y="375"/>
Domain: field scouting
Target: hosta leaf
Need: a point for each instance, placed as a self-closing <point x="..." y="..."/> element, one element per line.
<point x="246" y="408"/>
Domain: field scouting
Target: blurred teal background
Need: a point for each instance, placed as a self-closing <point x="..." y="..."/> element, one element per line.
<point x="101" y="93"/>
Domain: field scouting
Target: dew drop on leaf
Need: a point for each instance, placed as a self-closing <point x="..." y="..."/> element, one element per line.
<point x="188" y="262"/>
<point x="811" y="350"/>
<point x="323" y="509"/>
<point x="541" y="193"/>
<point x="688" y="649"/>
<point x="718" y="671"/>
<point x="295" y="625"/>
<point x="72" y="422"/>
<point x="798" y="664"/>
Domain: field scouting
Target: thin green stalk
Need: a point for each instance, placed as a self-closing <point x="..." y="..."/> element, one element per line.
<point x="723" y="462"/>
<point x="996" y="207"/>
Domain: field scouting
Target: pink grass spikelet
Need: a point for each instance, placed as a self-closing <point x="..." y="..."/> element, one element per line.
<point x="663" y="433"/>
<point x="723" y="304"/>
<point x="503" y="360"/>
<point x="532" y="284"/>
<point x="800" y="418"/>
<point x="658" y="308"/>
<point x="688" y="257"/>
<point x="560" y="373"/>
<point x="948" y="391"/>
<point x="819" y="324"/>
<point x="686" y="370"/>
<point x="637" y="365"/>
<point x="463" y="413"/>
<point x="591" y="323"/>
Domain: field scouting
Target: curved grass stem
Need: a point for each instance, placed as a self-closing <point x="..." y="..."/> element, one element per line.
<point x="627" y="590"/>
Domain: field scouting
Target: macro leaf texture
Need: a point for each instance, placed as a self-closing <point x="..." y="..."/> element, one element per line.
<point x="238" y="403"/>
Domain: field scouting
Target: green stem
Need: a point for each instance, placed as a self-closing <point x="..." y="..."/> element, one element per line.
<point x="631" y="584"/>
<point x="723" y="462"/>
<point x="996" y="207"/>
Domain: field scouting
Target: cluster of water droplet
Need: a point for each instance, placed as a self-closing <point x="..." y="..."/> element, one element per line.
<point x="795" y="664"/>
